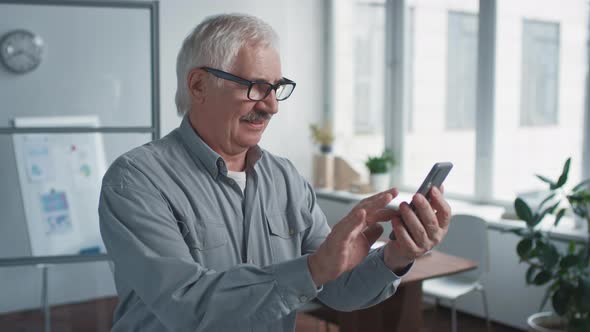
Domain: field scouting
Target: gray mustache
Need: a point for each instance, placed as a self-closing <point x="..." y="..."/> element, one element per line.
<point x="256" y="116"/>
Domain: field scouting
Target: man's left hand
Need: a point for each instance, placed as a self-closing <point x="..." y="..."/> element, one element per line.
<point x="417" y="231"/>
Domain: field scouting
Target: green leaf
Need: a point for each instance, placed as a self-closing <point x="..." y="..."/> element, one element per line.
<point x="542" y="278"/>
<point x="538" y="217"/>
<point x="549" y="255"/>
<point x="541" y="244"/>
<point x="579" y="324"/>
<point x="545" y="299"/>
<point x="524" y="247"/>
<point x="579" y="202"/>
<point x="538" y="247"/>
<point x="530" y="274"/>
<point x="571" y="247"/>
<point x="559" y="300"/>
<point x="563" y="177"/>
<point x="548" y="198"/>
<point x="546" y="180"/>
<point x="583" y="255"/>
<point x="552" y="208"/>
<point x="523" y="211"/>
<point x="569" y="261"/>
<point x="581" y="184"/>
<point x="576" y="198"/>
<point x="559" y="215"/>
<point x="518" y="231"/>
<point x="584" y="292"/>
<point x="382" y="163"/>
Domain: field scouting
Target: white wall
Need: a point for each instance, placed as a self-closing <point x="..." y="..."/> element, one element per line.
<point x="300" y="29"/>
<point x="299" y="25"/>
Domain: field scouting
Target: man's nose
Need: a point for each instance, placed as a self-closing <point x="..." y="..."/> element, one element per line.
<point x="270" y="103"/>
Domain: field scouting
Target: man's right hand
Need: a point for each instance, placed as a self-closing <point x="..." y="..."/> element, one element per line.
<point x="351" y="238"/>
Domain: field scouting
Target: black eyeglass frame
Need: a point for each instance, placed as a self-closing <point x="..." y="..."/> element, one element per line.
<point x="231" y="77"/>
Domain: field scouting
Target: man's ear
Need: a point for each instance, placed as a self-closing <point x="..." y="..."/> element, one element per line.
<point x="197" y="85"/>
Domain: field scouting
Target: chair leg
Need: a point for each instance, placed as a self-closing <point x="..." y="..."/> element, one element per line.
<point x="453" y="317"/>
<point x="485" y="309"/>
<point x="436" y="305"/>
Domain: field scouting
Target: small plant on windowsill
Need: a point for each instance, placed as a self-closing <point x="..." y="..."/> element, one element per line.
<point x="322" y="136"/>
<point x="381" y="164"/>
<point x="566" y="272"/>
<point x="379" y="167"/>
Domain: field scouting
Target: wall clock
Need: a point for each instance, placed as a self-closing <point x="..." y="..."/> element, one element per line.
<point x="21" y="51"/>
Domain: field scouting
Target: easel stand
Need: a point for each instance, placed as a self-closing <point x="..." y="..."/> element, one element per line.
<point x="44" y="263"/>
<point x="45" y="296"/>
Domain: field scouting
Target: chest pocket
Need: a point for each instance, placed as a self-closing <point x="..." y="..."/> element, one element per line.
<point x="286" y="232"/>
<point x="203" y="235"/>
<point x="208" y="243"/>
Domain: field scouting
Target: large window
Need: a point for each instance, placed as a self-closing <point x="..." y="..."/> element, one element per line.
<point x="357" y="83"/>
<point x="540" y="66"/>
<point x="461" y="70"/>
<point x="369" y="65"/>
<point x="495" y="86"/>
<point x="441" y="92"/>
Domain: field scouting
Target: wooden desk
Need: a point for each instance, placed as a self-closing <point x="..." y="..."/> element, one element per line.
<point x="403" y="311"/>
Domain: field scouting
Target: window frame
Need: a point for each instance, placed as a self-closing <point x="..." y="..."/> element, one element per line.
<point x="467" y="119"/>
<point x="528" y="117"/>
<point x="397" y="101"/>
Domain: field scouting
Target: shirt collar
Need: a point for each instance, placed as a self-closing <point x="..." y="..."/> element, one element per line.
<point x="210" y="159"/>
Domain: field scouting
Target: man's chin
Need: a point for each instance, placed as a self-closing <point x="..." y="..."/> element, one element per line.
<point x="250" y="139"/>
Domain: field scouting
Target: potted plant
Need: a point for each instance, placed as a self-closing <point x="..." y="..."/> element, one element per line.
<point x="565" y="271"/>
<point x="379" y="167"/>
<point x="322" y="136"/>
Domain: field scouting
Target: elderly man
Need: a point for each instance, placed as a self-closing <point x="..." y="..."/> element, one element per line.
<point x="208" y="232"/>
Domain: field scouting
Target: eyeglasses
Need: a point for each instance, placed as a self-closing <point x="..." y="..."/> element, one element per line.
<point x="257" y="90"/>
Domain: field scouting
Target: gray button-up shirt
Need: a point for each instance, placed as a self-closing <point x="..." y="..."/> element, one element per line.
<point x="191" y="252"/>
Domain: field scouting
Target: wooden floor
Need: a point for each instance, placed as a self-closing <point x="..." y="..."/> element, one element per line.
<point x="97" y="315"/>
<point x="435" y="320"/>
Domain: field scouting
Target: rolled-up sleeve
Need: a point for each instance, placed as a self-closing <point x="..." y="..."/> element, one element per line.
<point x="152" y="260"/>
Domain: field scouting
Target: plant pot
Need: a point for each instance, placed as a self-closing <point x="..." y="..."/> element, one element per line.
<point x="325" y="149"/>
<point x="546" y="322"/>
<point x="380" y="181"/>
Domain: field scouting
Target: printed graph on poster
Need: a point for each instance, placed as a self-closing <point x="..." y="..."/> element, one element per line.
<point x="60" y="176"/>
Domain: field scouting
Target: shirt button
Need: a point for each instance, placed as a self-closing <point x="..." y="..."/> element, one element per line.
<point x="303" y="298"/>
<point x="219" y="162"/>
<point x="291" y="231"/>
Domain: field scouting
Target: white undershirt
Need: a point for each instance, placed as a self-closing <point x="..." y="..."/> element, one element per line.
<point x="239" y="177"/>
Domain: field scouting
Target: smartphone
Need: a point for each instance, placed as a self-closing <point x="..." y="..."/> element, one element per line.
<point x="437" y="175"/>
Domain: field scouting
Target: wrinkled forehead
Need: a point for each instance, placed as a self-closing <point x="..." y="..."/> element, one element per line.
<point x="257" y="62"/>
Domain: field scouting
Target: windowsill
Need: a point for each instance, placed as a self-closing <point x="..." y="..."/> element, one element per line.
<point x="491" y="213"/>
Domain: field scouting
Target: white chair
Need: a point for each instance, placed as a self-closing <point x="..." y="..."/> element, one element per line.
<point x="467" y="237"/>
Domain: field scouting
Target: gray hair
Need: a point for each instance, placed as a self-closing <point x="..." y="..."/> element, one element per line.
<point x="215" y="43"/>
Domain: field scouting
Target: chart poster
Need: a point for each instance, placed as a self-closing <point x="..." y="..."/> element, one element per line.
<point x="60" y="177"/>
